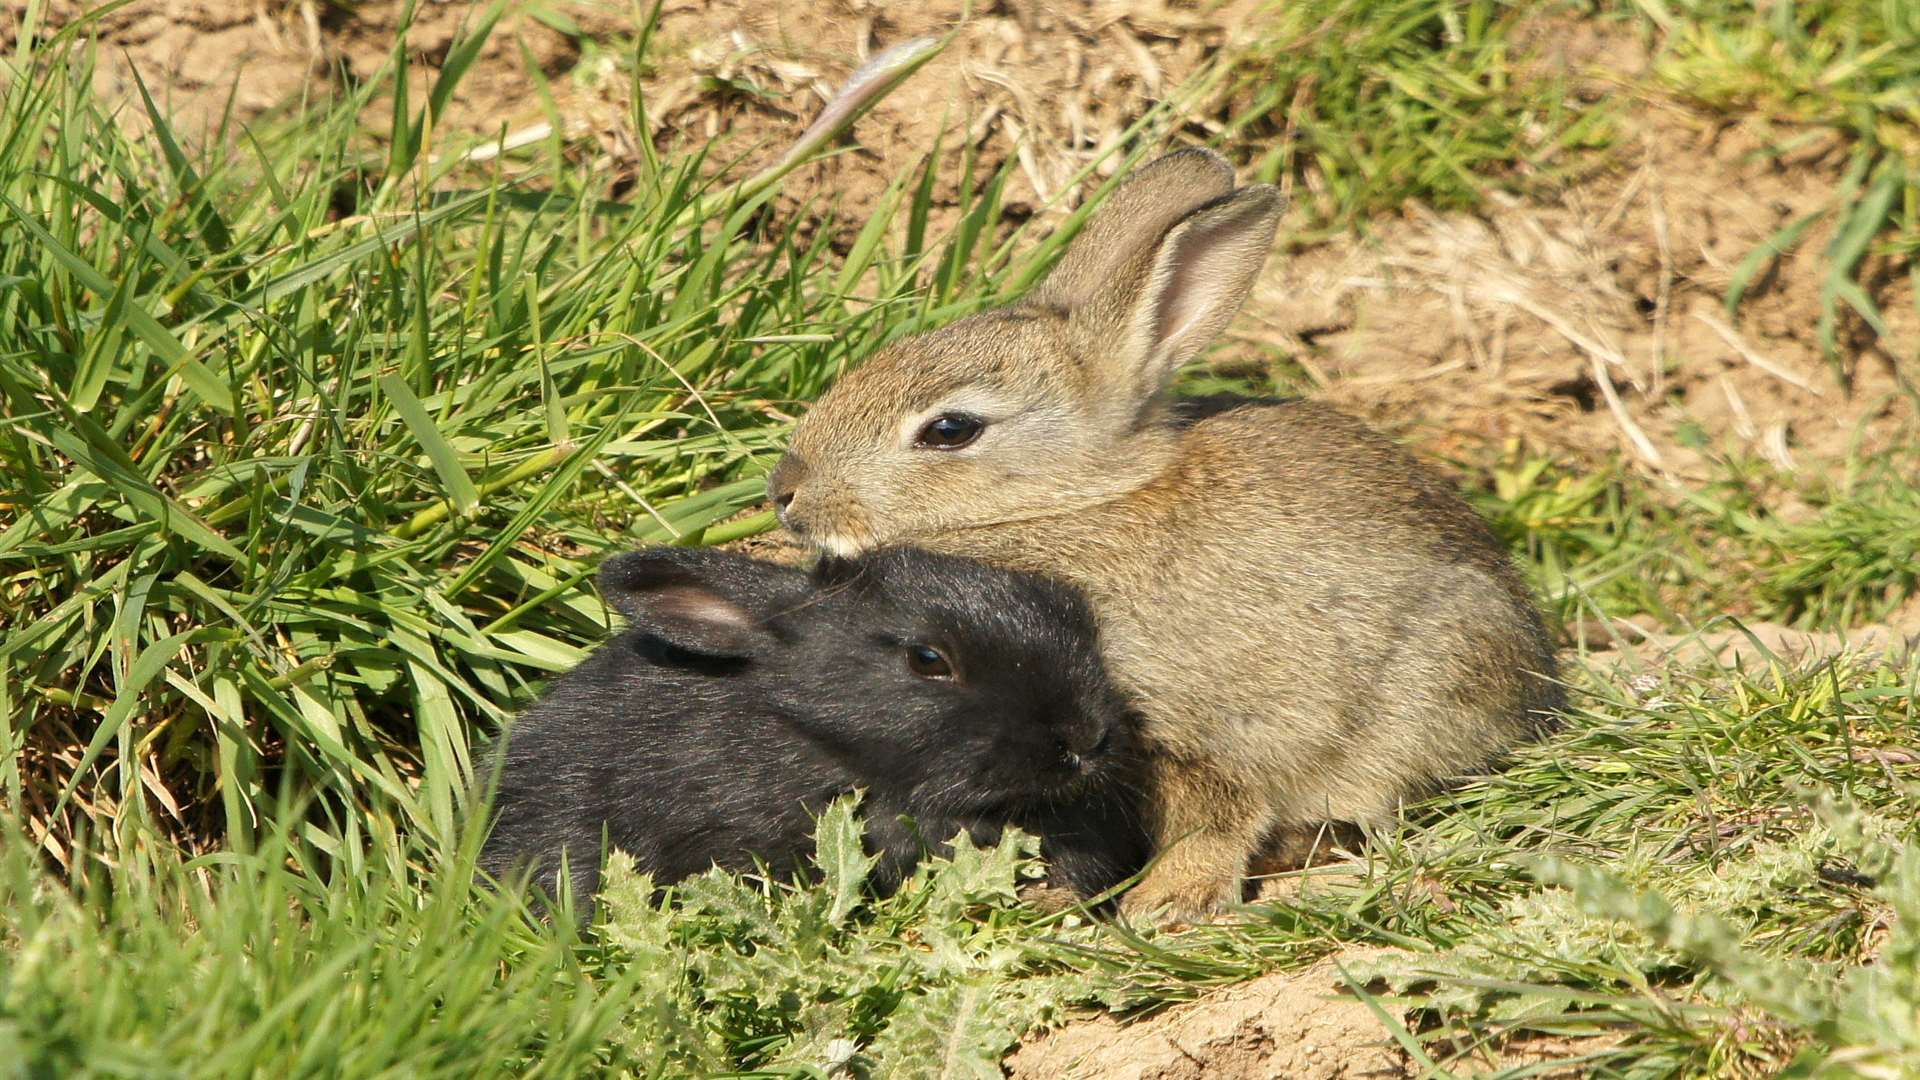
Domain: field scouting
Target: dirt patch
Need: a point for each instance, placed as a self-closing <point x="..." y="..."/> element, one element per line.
<point x="1757" y="641"/>
<point x="1049" y="86"/>
<point x="209" y="61"/>
<point x="1632" y="644"/>
<point x="1593" y="321"/>
<point x="1301" y="1026"/>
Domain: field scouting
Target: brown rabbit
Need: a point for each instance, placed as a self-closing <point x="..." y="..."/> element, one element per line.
<point x="1316" y="626"/>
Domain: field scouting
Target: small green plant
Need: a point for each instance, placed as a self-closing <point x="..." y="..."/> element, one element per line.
<point x="940" y="979"/>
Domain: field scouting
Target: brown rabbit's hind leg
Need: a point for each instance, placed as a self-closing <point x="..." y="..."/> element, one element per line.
<point x="1273" y="872"/>
<point x="1207" y="828"/>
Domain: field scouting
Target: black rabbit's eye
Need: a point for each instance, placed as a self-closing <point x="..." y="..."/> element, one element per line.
<point x="951" y="431"/>
<point x="928" y="662"/>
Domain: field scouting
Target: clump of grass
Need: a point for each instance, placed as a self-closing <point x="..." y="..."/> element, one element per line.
<point x="1370" y="104"/>
<point x="270" y="964"/>
<point x="1854" y="563"/>
<point x="309" y="444"/>
<point x="1586" y="537"/>
<point x="1597" y="541"/>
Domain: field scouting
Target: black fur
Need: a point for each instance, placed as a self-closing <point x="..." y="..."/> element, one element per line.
<point x="745" y="696"/>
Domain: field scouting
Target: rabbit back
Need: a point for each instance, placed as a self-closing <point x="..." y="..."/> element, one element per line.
<point x="1381" y="643"/>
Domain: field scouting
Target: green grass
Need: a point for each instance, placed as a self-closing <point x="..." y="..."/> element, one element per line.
<point x="309" y="442"/>
<point x="1363" y="105"/>
<point x="310" y="439"/>
<point x="1708" y="873"/>
<point x="1757" y="802"/>
<point x="1600" y="541"/>
<point x="267" y="963"/>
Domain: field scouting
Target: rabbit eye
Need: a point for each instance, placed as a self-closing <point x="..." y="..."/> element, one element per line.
<point x="950" y="431"/>
<point x="928" y="662"/>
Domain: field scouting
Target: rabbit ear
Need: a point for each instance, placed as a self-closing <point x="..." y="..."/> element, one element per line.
<point x="1201" y="275"/>
<point x="1123" y="234"/>
<point x="1165" y="265"/>
<point x="714" y="603"/>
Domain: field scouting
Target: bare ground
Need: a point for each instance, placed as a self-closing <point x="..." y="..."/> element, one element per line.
<point x="1586" y="321"/>
<point x="1582" y="323"/>
<point x="1592" y="321"/>
<point x="1300" y="1026"/>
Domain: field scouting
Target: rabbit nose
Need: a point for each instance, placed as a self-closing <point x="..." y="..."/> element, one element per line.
<point x="784" y="482"/>
<point x="1077" y="756"/>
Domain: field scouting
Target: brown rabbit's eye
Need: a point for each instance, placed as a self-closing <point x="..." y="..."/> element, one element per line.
<point x="928" y="663"/>
<point x="951" y="431"/>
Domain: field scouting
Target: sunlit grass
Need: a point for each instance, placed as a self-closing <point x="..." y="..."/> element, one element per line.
<point x="1807" y="71"/>
<point x="309" y="443"/>
<point x="308" y="452"/>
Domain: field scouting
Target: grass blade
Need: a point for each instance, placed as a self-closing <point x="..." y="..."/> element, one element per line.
<point x="446" y="462"/>
<point x="1781" y="243"/>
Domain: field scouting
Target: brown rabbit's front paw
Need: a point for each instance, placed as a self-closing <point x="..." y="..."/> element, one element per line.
<point x="1170" y="903"/>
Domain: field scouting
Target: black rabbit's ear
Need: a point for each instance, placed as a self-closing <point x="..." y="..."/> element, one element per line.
<point x="715" y="603"/>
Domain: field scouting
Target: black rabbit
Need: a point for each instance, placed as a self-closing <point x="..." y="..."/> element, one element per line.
<point x="745" y="696"/>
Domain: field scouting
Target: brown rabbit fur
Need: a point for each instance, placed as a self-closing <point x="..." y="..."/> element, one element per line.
<point x="1316" y="626"/>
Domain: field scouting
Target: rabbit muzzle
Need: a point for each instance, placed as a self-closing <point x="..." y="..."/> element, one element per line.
<point x="1086" y="755"/>
<point x="822" y="514"/>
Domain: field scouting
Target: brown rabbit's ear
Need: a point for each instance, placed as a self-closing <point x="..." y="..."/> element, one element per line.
<point x="1200" y="277"/>
<point x="1164" y="266"/>
<point x="1124" y="232"/>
